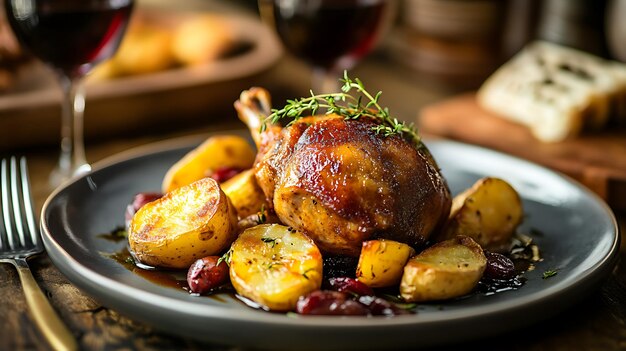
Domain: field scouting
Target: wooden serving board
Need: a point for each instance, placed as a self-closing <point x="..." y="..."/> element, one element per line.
<point x="597" y="160"/>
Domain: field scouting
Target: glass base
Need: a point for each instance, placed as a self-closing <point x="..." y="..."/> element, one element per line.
<point x="60" y="175"/>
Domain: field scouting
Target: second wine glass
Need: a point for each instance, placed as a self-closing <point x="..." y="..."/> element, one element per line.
<point x="70" y="36"/>
<point x="330" y="35"/>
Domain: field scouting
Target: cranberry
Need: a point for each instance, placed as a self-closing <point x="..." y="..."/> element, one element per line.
<point x="498" y="267"/>
<point x="325" y="302"/>
<point x="223" y="174"/>
<point x="205" y="274"/>
<point x="350" y="285"/>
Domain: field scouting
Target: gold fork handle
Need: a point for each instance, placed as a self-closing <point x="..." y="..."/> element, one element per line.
<point x="46" y="318"/>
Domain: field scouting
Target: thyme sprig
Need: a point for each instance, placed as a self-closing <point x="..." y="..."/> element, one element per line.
<point x="270" y="241"/>
<point x="261" y="216"/>
<point x="349" y="106"/>
<point x="225" y="258"/>
<point x="549" y="273"/>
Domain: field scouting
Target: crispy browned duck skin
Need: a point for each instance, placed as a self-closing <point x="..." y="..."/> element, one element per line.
<point x="341" y="183"/>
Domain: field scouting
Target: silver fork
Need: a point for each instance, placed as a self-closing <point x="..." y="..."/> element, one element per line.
<point x="19" y="240"/>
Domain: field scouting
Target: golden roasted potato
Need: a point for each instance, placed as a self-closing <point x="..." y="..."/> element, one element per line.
<point x="216" y="152"/>
<point x="381" y="262"/>
<point x="488" y="212"/>
<point x="273" y="265"/>
<point x="186" y="224"/>
<point x="202" y="39"/>
<point x="448" y="269"/>
<point x="245" y="194"/>
<point x="145" y="49"/>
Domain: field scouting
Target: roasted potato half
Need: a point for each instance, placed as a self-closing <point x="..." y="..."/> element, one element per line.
<point x="186" y="224"/>
<point x="245" y="194"/>
<point x="229" y="151"/>
<point x="274" y="265"/>
<point x="448" y="269"/>
<point x="488" y="212"/>
<point x="381" y="262"/>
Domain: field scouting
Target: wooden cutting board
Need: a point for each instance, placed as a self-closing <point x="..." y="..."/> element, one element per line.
<point x="597" y="160"/>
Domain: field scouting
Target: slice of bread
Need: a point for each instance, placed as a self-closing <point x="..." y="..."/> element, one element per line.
<point x="556" y="91"/>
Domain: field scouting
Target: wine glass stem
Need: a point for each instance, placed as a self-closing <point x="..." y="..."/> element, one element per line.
<point x="324" y="81"/>
<point x="72" y="160"/>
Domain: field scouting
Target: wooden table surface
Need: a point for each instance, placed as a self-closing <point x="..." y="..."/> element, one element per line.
<point x="598" y="323"/>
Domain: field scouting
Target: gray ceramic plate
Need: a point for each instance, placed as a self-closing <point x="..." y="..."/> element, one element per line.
<point x="579" y="239"/>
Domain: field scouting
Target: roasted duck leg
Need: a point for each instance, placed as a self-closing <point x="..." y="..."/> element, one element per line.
<point x="342" y="183"/>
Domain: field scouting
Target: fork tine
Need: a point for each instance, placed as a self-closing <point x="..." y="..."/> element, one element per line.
<point x="6" y="208"/>
<point x="3" y="242"/>
<point x="15" y="198"/>
<point x="28" y="202"/>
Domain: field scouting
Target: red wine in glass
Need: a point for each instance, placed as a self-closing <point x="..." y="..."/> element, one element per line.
<point x="70" y="36"/>
<point x="331" y="35"/>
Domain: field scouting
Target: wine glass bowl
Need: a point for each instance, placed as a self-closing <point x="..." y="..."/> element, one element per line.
<point x="330" y="35"/>
<point x="71" y="37"/>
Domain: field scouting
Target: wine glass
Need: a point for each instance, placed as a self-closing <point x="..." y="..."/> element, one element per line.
<point x="330" y="35"/>
<point x="71" y="37"/>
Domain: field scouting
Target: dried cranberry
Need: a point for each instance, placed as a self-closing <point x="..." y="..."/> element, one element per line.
<point x="498" y="267"/>
<point x="325" y="302"/>
<point x="205" y="274"/>
<point x="223" y="174"/>
<point x="138" y="202"/>
<point x="350" y="285"/>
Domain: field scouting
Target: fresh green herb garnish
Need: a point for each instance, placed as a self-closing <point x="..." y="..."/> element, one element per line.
<point x="392" y="298"/>
<point x="549" y="273"/>
<point x="225" y="258"/>
<point x="350" y="107"/>
<point x="273" y="264"/>
<point x="292" y="315"/>
<point x="405" y="306"/>
<point x="398" y="302"/>
<point x="262" y="216"/>
<point x="116" y="235"/>
<point x="271" y="241"/>
<point x="120" y="233"/>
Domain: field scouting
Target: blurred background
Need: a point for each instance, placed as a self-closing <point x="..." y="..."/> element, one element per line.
<point x="183" y="63"/>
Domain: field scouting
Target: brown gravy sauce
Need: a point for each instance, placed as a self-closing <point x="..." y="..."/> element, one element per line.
<point x="169" y="278"/>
